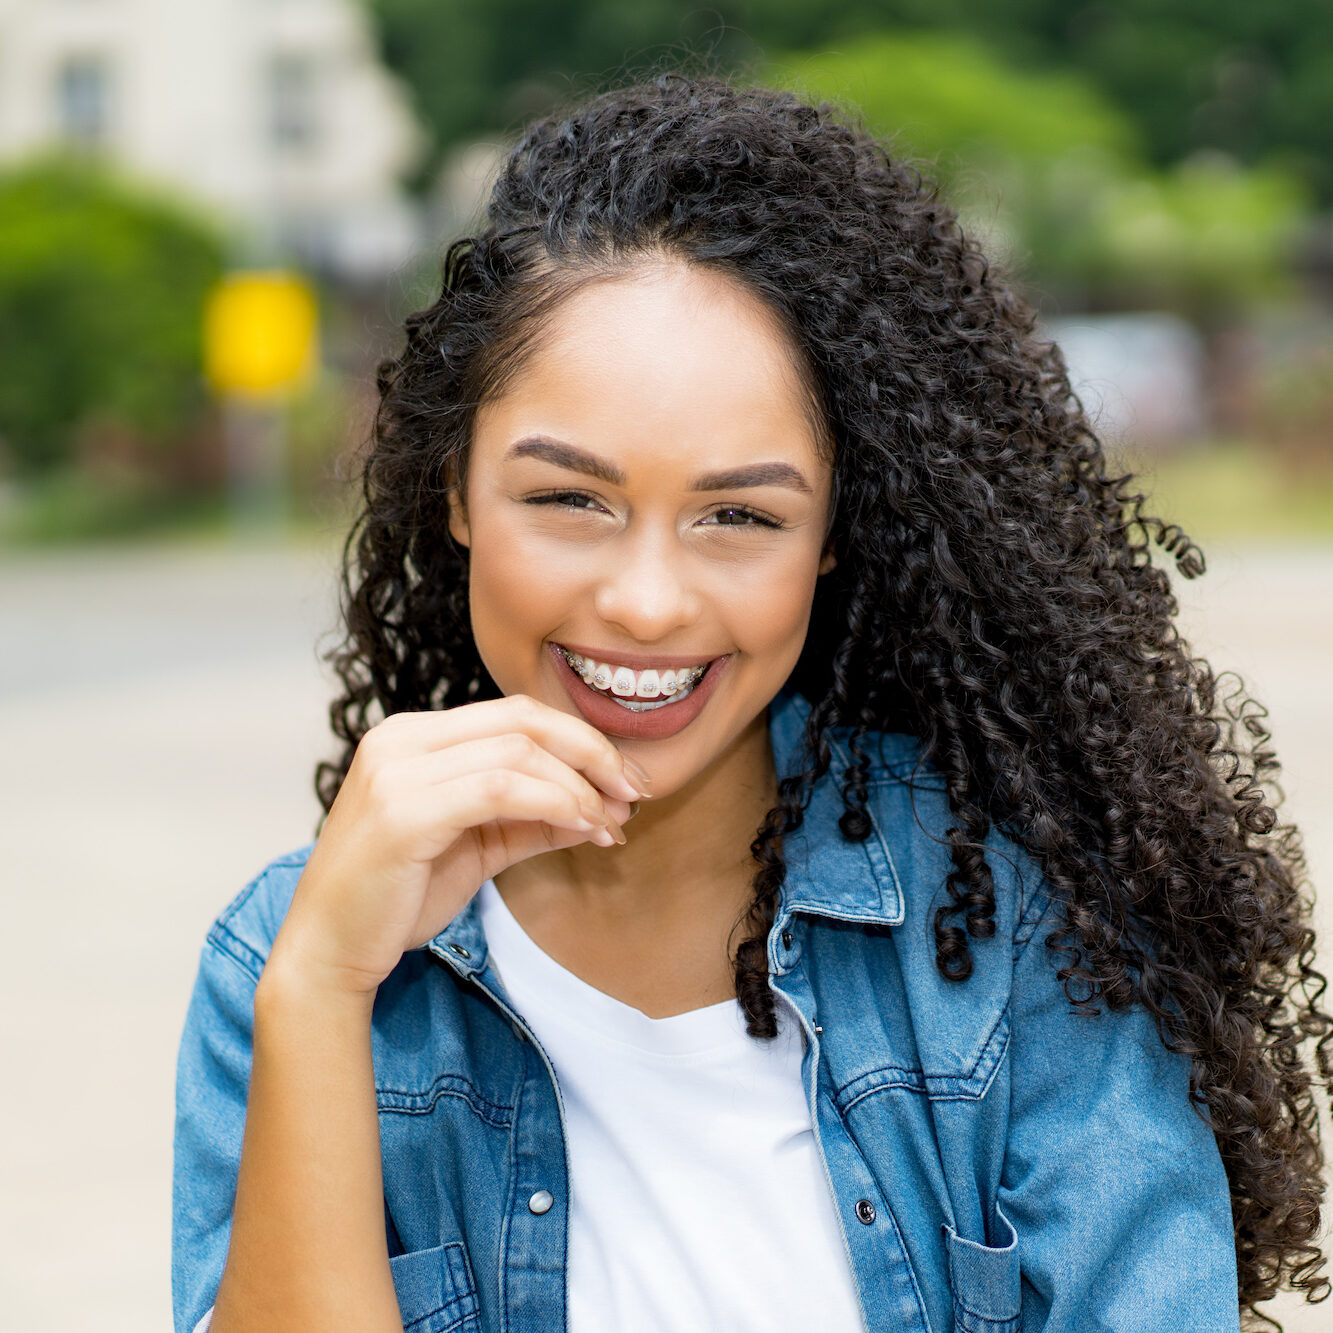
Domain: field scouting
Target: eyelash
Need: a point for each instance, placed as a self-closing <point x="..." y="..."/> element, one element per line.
<point x="757" y="519"/>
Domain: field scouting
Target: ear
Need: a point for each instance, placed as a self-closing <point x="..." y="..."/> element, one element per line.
<point x="828" y="560"/>
<point x="458" y="524"/>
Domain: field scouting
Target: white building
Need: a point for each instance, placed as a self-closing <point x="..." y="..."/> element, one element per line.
<point x="275" y="114"/>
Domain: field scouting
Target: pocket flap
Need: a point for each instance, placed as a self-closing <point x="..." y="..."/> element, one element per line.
<point x="436" y="1293"/>
<point x="987" y="1285"/>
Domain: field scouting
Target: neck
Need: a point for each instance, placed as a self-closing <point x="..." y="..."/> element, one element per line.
<point x="684" y="875"/>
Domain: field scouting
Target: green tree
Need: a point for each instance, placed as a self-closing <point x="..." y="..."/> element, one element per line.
<point x="946" y="97"/>
<point x="101" y="296"/>
<point x="478" y="66"/>
<point x="1252" y="80"/>
<point x="1052" y="172"/>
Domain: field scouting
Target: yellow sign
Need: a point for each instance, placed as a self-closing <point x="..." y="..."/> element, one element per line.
<point x="261" y="332"/>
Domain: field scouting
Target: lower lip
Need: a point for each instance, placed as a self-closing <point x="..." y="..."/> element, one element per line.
<point x="655" y="725"/>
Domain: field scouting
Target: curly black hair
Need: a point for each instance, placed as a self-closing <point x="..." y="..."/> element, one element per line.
<point x="994" y="593"/>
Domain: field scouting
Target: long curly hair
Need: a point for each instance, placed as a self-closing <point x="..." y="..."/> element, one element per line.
<point x="994" y="593"/>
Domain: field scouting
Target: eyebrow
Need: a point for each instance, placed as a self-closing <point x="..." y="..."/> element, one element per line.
<point x="737" y="478"/>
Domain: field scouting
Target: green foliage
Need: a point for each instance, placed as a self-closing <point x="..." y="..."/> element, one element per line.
<point x="945" y="97"/>
<point x="478" y="66"/>
<point x="102" y="504"/>
<point x="101" y="297"/>
<point x="1253" y="80"/>
<point x="1201" y="238"/>
<point x="1050" y="171"/>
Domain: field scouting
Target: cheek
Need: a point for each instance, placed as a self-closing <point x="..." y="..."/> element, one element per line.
<point x="766" y="604"/>
<point x="512" y="608"/>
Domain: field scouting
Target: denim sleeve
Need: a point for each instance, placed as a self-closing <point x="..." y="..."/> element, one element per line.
<point x="1112" y="1180"/>
<point x="212" y="1083"/>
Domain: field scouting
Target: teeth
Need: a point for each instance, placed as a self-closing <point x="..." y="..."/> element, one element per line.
<point x="645" y="705"/>
<point x="624" y="683"/>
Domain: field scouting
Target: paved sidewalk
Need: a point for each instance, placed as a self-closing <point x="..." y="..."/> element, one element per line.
<point x="160" y="717"/>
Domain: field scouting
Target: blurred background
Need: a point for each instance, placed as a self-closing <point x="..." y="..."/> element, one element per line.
<point x="213" y="219"/>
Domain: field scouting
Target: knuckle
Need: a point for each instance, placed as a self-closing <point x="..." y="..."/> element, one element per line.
<point x="380" y="789"/>
<point x="522" y="748"/>
<point x="525" y="706"/>
<point x="379" y="738"/>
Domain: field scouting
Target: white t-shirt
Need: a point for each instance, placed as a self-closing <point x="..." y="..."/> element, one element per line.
<point x="700" y="1203"/>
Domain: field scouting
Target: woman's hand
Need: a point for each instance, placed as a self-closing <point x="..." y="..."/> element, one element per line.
<point x="433" y="805"/>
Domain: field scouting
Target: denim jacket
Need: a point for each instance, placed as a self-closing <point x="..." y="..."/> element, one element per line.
<point x="998" y="1161"/>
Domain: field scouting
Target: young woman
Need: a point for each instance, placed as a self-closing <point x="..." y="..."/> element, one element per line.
<point x="785" y="870"/>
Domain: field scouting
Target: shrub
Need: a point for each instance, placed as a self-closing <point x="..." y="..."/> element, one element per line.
<point x="101" y="295"/>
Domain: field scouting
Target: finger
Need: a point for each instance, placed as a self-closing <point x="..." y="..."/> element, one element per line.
<point x="572" y="739"/>
<point x="513" y="751"/>
<point x="462" y="803"/>
<point x="522" y="839"/>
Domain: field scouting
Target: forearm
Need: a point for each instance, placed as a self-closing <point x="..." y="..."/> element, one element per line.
<point x="308" y="1249"/>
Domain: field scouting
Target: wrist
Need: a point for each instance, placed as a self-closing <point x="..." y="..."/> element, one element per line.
<point x="294" y="978"/>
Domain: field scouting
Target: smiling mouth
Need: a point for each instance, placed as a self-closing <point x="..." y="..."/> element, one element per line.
<point x="619" y="684"/>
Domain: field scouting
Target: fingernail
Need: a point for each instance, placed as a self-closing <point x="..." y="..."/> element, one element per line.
<point x="633" y="809"/>
<point x="618" y="833"/>
<point x="640" y="778"/>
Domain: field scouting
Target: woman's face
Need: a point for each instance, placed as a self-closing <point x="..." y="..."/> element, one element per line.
<point x="647" y="493"/>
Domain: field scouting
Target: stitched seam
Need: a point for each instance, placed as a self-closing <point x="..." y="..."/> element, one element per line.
<point x="463" y="1316"/>
<point x="911" y="1268"/>
<point x="911" y="1080"/>
<point x="877" y="837"/>
<point x="288" y="862"/>
<point x="918" y="1080"/>
<point x="976" y="1314"/>
<point x="999" y="1033"/>
<point x="875" y="772"/>
<point x="240" y="953"/>
<point x="907" y="775"/>
<point x="506" y="1227"/>
<point x="1026" y="930"/>
<point x="991" y="1324"/>
<point x="494" y="1114"/>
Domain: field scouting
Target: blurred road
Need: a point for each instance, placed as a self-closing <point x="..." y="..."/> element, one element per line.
<point x="160" y="715"/>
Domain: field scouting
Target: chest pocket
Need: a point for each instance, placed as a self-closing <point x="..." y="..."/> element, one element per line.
<point x="435" y="1289"/>
<point x="985" y="1282"/>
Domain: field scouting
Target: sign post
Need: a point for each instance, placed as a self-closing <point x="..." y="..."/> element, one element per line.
<point x="260" y="343"/>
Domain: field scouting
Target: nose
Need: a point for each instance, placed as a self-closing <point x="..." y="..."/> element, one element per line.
<point x="648" y="592"/>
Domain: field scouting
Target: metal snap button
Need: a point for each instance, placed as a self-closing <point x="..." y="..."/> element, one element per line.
<point x="786" y="939"/>
<point x="541" y="1202"/>
<point x="459" y="950"/>
<point x="819" y="1031"/>
<point x="865" y="1211"/>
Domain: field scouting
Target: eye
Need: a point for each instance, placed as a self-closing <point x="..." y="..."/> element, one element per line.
<point x="744" y="518"/>
<point x="561" y="498"/>
<point x="730" y="516"/>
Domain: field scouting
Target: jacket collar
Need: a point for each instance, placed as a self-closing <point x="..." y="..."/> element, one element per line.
<point x="826" y="875"/>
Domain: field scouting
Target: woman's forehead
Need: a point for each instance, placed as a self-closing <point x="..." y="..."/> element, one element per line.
<point x="676" y="359"/>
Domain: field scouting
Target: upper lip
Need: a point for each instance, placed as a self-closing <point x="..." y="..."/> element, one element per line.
<point x="639" y="661"/>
